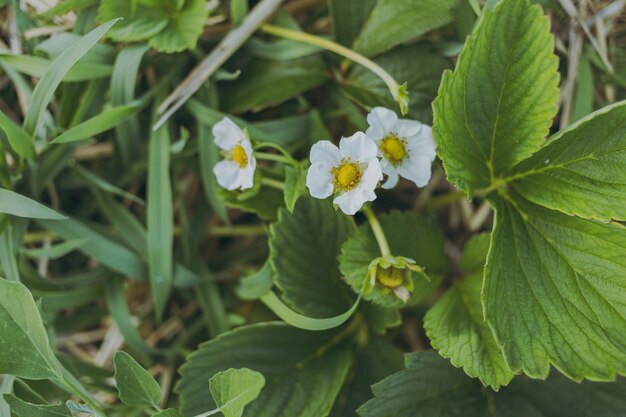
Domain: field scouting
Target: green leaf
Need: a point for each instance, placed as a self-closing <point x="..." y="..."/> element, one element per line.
<point x="303" y="371"/>
<point x="409" y="235"/>
<point x="24" y="347"/>
<point x="233" y="389"/>
<point x="17" y="205"/>
<point x="19" y="140"/>
<point x="183" y="30"/>
<point x="265" y="203"/>
<point x="140" y="22"/>
<point x="54" y="251"/>
<point x="102" y="122"/>
<point x="44" y="91"/>
<point x="135" y="385"/>
<point x="416" y="65"/>
<point x="170" y="412"/>
<point x="584" y="96"/>
<point x="238" y="10"/>
<point x="373" y="362"/>
<point x="25" y="409"/>
<point x="554" y="290"/>
<point x="304" y="248"/>
<point x="581" y="170"/>
<point x="265" y="83"/>
<point x="295" y="185"/>
<point x="348" y="17"/>
<point x="393" y="22"/>
<point x="457" y="329"/>
<point x="160" y="213"/>
<point x="428" y="386"/>
<point x="475" y="254"/>
<point x="496" y="108"/>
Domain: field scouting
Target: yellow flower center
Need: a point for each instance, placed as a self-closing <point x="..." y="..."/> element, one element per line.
<point x="393" y="148"/>
<point x="347" y="176"/>
<point x="239" y="156"/>
<point x="390" y="277"/>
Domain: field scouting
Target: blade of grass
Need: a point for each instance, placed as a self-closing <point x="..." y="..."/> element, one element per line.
<point x="44" y="91"/>
<point x="20" y="206"/>
<point x="160" y="218"/>
<point x="36" y="66"/>
<point x="19" y="140"/>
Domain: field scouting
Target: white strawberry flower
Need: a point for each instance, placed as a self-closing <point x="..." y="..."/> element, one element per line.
<point x="406" y="147"/>
<point x="351" y="171"/>
<point x="236" y="171"/>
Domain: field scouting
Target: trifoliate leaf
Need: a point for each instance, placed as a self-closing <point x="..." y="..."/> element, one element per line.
<point x="496" y="108"/>
<point x="554" y="290"/>
<point x="233" y="389"/>
<point x="430" y="386"/>
<point x="393" y="22"/>
<point x="24" y="346"/>
<point x="304" y="248"/>
<point x="581" y="170"/>
<point x="457" y="329"/>
<point x="135" y="385"/>
<point x="303" y="370"/>
<point x="168" y="26"/>
<point x="408" y="235"/>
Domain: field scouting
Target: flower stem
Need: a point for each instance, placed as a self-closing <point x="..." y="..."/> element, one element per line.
<point x="398" y="92"/>
<point x="279" y="185"/>
<point x="209" y="413"/>
<point x="273" y="157"/>
<point x="379" y="234"/>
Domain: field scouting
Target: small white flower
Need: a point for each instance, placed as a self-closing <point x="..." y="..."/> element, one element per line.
<point x="236" y="171"/>
<point x="407" y="147"/>
<point x="351" y="171"/>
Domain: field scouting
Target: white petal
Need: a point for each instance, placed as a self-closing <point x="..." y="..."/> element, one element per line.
<point x="406" y="128"/>
<point x="392" y="177"/>
<point x="423" y="143"/>
<point x="247" y="147"/>
<point x="227" y="134"/>
<point x="371" y="176"/>
<point x="227" y="174"/>
<point x="358" y="147"/>
<point x="246" y="175"/>
<point x="351" y="201"/>
<point x="381" y="121"/>
<point x="326" y="153"/>
<point x="402" y="293"/>
<point x="319" y="181"/>
<point x="417" y="168"/>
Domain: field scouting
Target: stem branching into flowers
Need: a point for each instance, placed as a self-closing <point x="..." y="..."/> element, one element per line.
<point x="399" y="92"/>
<point x="379" y="234"/>
<point x="273" y="157"/>
<point x="279" y="185"/>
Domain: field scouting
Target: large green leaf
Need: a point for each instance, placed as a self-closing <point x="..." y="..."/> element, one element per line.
<point x="233" y="389"/>
<point x="416" y="65"/>
<point x="496" y="108"/>
<point x="19" y="140"/>
<point x="135" y="385"/>
<point x="554" y="291"/>
<point x="429" y="387"/>
<point x="457" y="328"/>
<point x="393" y="22"/>
<point x="183" y="28"/>
<point x="304" y="248"/>
<point x="303" y="370"/>
<point x="24" y="346"/>
<point x="20" y="206"/>
<point x="409" y="235"/>
<point x="582" y="170"/>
